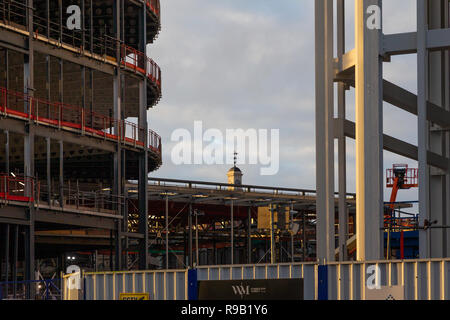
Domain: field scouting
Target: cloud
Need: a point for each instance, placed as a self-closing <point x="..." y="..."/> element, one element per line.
<point x="250" y="64"/>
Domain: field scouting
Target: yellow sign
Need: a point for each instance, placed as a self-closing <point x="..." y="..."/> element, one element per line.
<point x="134" y="296"/>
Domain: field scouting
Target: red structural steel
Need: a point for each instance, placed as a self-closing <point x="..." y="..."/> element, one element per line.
<point x="13" y="188"/>
<point x="63" y="116"/>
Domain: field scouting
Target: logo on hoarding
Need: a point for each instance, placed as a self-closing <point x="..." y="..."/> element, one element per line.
<point x="241" y="290"/>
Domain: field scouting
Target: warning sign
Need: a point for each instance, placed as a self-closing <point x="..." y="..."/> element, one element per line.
<point x="134" y="296"/>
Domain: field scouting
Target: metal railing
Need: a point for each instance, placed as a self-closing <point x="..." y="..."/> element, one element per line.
<point x="16" y="188"/>
<point x="62" y="115"/>
<point x="72" y="195"/>
<point x="410" y="178"/>
<point x="139" y="62"/>
<point x="13" y="12"/>
<point x="96" y="40"/>
<point x="154" y="5"/>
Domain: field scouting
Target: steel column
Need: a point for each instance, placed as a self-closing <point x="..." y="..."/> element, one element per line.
<point x="15" y="258"/>
<point x="438" y="93"/>
<point x="342" y="163"/>
<point x="369" y="135"/>
<point x="423" y="138"/>
<point x="167" y="232"/>
<point x="232" y="231"/>
<point x="61" y="173"/>
<point x="249" y="236"/>
<point x="272" y="236"/>
<point x="49" y="175"/>
<point x="7" y="153"/>
<point x="191" y="262"/>
<point x="7" y="250"/>
<point x="324" y="129"/>
<point x="143" y="158"/>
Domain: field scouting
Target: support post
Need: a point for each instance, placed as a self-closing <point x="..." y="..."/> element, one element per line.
<point x="196" y="239"/>
<point x="49" y="174"/>
<point x="232" y="231"/>
<point x="342" y="164"/>
<point x="61" y="173"/>
<point x="7" y="153"/>
<point x="117" y="96"/>
<point x="272" y="236"/>
<point x="143" y="157"/>
<point x="249" y="236"/>
<point x="369" y="135"/>
<point x="324" y="130"/>
<point x="191" y="262"/>
<point x="422" y="134"/>
<point x="167" y="232"/>
<point x="15" y="258"/>
<point x="438" y="92"/>
<point x="7" y="229"/>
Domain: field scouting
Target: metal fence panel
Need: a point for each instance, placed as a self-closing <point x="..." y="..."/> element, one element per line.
<point x="161" y="285"/>
<point x="422" y="279"/>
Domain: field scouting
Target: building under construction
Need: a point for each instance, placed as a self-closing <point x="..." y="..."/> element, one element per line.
<point x="76" y="152"/>
<point x="73" y="120"/>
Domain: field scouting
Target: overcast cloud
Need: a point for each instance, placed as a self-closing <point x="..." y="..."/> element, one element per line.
<point x="250" y="64"/>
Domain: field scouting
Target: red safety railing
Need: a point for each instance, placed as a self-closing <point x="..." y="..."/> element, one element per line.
<point x="410" y="179"/>
<point x="139" y="62"/>
<point x="61" y="115"/>
<point x="16" y="188"/>
<point x="154" y="6"/>
<point x="154" y="141"/>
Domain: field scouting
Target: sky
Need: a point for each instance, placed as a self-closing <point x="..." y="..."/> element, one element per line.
<point x="250" y="64"/>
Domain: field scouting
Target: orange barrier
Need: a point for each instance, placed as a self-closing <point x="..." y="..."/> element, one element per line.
<point x="61" y="115"/>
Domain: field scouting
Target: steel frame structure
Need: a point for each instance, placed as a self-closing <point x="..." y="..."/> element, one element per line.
<point x="224" y="230"/>
<point x="362" y="68"/>
<point x="67" y="150"/>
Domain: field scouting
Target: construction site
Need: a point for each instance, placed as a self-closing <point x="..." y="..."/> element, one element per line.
<point x="77" y="156"/>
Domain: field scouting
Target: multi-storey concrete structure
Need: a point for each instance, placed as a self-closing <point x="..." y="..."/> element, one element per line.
<point x="73" y="122"/>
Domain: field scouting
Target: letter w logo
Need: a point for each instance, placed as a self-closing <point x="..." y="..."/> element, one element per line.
<point x="241" y="290"/>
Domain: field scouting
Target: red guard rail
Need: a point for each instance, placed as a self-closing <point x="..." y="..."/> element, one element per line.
<point x="138" y="61"/>
<point x="411" y="178"/>
<point x="62" y="115"/>
<point x="15" y="188"/>
<point x="154" y="6"/>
